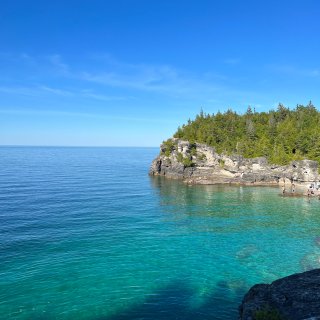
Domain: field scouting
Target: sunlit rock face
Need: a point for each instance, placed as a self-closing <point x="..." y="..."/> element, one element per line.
<point x="201" y="164"/>
<point x="295" y="297"/>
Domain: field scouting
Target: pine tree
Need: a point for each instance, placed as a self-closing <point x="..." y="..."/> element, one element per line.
<point x="282" y="135"/>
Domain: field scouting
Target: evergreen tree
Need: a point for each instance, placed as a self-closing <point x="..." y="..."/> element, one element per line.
<point x="281" y="136"/>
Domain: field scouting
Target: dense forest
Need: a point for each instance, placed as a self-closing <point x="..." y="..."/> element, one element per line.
<point x="280" y="135"/>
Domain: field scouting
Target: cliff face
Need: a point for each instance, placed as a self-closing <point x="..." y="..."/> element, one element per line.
<point x="199" y="163"/>
<point x="295" y="297"/>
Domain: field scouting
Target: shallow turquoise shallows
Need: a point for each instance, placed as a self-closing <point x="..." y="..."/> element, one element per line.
<point x="85" y="233"/>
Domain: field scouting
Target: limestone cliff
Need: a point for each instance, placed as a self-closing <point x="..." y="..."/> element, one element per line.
<point x="201" y="164"/>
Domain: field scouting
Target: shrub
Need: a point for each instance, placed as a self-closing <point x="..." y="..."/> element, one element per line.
<point x="193" y="150"/>
<point x="222" y="163"/>
<point x="187" y="162"/>
<point x="169" y="146"/>
<point x="267" y="313"/>
<point x="180" y="157"/>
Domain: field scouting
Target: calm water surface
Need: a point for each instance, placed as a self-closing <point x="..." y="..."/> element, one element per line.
<point x="86" y="234"/>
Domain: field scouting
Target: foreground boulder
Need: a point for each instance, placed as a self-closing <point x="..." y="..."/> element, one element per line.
<point x="296" y="297"/>
<point x="201" y="164"/>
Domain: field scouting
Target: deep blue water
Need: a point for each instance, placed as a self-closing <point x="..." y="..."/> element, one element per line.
<point x="85" y="233"/>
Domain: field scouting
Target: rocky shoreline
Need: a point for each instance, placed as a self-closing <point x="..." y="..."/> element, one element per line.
<point x="196" y="163"/>
<point x="295" y="297"/>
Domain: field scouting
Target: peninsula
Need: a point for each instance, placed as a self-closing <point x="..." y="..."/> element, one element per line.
<point x="264" y="148"/>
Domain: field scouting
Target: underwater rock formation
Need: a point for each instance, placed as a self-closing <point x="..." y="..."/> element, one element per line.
<point x="246" y="252"/>
<point x="310" y="261"/>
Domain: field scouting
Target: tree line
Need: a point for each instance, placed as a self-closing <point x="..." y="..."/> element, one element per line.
<point x="280" y="135"/>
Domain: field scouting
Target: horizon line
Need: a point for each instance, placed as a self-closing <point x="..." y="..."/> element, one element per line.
<point x="69" y="146"/>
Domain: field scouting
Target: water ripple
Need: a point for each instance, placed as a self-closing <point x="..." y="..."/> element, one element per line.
<point x="86" y="234"/>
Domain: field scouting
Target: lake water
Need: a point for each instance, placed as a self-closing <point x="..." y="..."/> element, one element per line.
<point x="85" y="233"/>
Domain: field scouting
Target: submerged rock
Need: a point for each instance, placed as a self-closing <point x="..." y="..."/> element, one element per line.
<point x="317" y="241"/>
<point x="246" y="251"/>
<point x="201" y="164"/>
<point x="295" y="297"/>
<point x="310" y="261"/>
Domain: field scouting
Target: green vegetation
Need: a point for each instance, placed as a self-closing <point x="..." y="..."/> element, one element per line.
<point x="180" y="157"/>
<point x="187" y="162"/>
<point x="267" y="314"/>
<point x="202" y="156"/>
<point x="193" y="150"/>
<point x="280" y="135"/>
<point x="221" y="163"/>
<point x="169" y="147"/>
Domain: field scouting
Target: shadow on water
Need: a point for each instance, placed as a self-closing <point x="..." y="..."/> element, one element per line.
<point x="175" y="302"/>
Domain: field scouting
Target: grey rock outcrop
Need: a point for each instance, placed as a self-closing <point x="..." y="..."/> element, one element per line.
<point x="201" y="164"/>
<point x="296" y="297"/>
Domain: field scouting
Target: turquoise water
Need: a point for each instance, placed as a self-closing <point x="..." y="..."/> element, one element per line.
<point x="86" y="234"/>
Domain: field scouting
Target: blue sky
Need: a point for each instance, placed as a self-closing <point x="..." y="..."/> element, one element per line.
<point x="127" y="73"/>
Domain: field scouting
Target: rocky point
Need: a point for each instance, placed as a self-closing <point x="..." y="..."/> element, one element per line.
<point x="201" y="164"/>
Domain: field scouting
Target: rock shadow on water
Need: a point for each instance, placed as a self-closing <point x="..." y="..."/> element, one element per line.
<point x="173" y="303"/>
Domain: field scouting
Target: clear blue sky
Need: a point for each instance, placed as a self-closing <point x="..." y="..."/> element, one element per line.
<point x="127" y="73"/>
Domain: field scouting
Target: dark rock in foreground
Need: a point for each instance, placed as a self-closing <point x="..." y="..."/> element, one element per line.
<point x="295" y="297"/>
